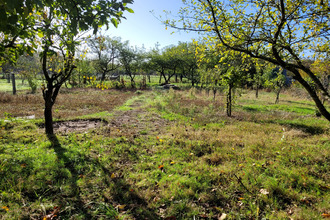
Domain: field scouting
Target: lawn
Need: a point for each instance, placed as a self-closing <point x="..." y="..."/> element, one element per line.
<point x="8" y="87"/>
<point x="164" y="155"/>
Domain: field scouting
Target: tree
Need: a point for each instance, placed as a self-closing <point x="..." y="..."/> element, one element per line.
<point x="233" y="70"/>
<point x="279" y="32"/>
<point x="29" y="66"/>
<point x="131" y="60"/>
<point x="107" y="52"/>
<point x="58" y="24"/>
<point x="159" y="63"/>
<point x="60" y="39"/>
<point x="17" y="34"/>
<point x="275" y="79"/>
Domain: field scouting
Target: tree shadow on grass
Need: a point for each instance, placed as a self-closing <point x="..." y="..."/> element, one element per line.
<point x="60" y="152"/>
<point x="120" y="191"/>
<point x="309" y="129"/>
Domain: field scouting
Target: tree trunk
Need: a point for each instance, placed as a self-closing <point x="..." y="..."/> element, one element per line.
<point x="313" y="94"/>
<point x="48" y="118"/>
<point x="229" y="100"/>
<point x="103" y="77"/>
<point x="257" y="91"/>
<point x="214" y="93"/>
<point x="8" y="78"/>
<point x="13" y="83"/>
<point x="278" y="95"/>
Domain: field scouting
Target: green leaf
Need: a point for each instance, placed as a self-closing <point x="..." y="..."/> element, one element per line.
<point x="40" y="34"/>
<point x="114" y="22"/>
<point x="129" y="10"/>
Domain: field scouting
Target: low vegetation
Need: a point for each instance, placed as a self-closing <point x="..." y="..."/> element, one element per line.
<point x="165" y="155"/>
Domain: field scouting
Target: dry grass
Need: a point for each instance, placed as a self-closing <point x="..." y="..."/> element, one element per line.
<point x="69" y="103"/>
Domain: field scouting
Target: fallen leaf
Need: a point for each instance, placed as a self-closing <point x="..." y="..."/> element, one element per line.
<point x="5" y="208"/>
<point x="223" y="216"/>
<point x="113" y="176"/>
<point x="264" y="191"/>
<point x="121" y="207"/>
<point x="326" y="215"/>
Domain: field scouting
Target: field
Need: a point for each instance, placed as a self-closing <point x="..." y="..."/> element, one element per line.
<point x="159" y="154"/>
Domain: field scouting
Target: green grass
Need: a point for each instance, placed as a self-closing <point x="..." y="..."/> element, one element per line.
<point x="7" y="87"/>
<point x="183" y="158"/>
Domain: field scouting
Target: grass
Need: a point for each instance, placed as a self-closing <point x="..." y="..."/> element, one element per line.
<point x="7" y="87"/>
<point x="168" y="155"/>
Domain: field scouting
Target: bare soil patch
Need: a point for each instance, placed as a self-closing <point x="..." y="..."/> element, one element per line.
<point x="78" y="125"/>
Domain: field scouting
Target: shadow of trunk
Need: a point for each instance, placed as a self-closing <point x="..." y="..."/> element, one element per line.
<point x="121" y="192"/>
<point x="60" y="152"/>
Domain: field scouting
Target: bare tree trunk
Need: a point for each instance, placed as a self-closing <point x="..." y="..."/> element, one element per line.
<point x="257" y="91"/>
<point x="313" y="94"/>
<point x="229" y="100"/>
<point x="214" y="93"/>
<point x="13" y="83"/>
<point x="103" y="77"/>
<point x="278" y="95"/>
<point x="48" y="118"/>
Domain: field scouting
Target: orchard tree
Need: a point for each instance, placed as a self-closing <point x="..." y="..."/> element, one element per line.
<point x="29" y="67"/>
<point x="279" y="32"/>
<point x="160" y="64"/>
<point x="107" y="53"/>
<point x="57" y="23"/>
<point x="257" y="78"/>
<point x="233" y="70"/>
<point x="275" y="79"/>
<point x="17" y="33"/>
<point x="83" y="70"/>
<point x="131" y="60"/>
<point x="59" y="30"/>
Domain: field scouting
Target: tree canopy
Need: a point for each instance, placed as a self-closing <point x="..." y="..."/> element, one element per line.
<point x="19" y="20"/>
<point x="281" y="32"/>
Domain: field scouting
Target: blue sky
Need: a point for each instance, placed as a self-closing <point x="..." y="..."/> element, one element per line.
<point x="142" y="28"/>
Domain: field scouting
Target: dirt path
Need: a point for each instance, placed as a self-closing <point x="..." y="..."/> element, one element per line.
<point x="133" y="121"/>
<point x="137" y="120"/>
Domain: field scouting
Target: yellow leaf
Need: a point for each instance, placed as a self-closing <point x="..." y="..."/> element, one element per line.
<point x="5" y="208"/>
<point x="121" y="207"/>
<point x="113" y="176"/>
<point x="325" y="215"/>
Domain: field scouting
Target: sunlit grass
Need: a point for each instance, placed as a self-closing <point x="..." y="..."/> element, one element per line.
<point x="181" y="157"/>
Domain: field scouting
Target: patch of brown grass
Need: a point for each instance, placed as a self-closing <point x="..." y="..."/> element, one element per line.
<point x="69" y="103"/>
